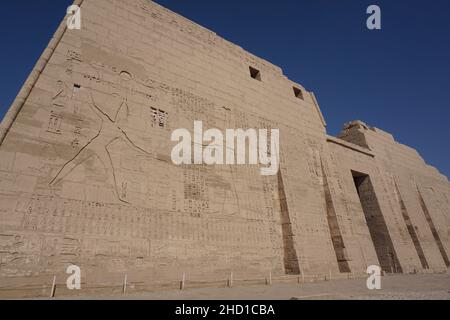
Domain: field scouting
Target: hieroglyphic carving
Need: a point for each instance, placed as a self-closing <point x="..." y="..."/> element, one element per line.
<point x="61" y="95"/>
<point x="73" y="55"/>
<point x="195" y="191"/>
<point x="159" y="118"/>
<point x="73" y="58"/>
<point x="313" y="160"/>
<point x="182" y="25"/>
<point x="109" y="132"/>
<point x="54" y="123"/>
<point x="193" y="107"/>
<point x="76" y="135"/>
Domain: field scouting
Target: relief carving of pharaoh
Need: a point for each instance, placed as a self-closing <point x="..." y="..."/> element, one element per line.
<point x="112" y="111"/>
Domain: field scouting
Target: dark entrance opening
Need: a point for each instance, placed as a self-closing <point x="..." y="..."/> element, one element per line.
<point x="377" y="225"/>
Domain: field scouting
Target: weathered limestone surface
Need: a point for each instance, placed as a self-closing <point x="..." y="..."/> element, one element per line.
<point x="86" y="176"/>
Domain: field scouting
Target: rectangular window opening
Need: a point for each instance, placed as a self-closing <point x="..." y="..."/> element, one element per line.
<point x="255" y="74"/>
<point x="298" y="93"/>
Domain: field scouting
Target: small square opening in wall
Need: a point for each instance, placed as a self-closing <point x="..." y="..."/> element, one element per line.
<point x="298" y="93"/>
<point x="255" y="74"/>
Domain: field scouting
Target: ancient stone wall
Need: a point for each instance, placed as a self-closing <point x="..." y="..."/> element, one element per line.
<point x="86" y="176"/>
<point x="419" y="228"/>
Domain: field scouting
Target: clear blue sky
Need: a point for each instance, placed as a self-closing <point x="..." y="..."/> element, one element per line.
<point x="397" y="79"/>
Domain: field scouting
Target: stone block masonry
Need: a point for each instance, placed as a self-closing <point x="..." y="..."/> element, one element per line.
<point x="86" y="175"/>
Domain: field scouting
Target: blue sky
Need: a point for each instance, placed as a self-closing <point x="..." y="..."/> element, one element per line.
<point x="397" y="79"/>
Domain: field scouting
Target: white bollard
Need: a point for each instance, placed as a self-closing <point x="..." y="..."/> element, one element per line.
<point x="125" y="284"/>
<point x="183" y="281"/>
<point x="52" y="293"/>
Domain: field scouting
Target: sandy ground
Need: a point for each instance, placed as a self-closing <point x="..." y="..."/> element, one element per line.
<point x="399" y="287"/>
